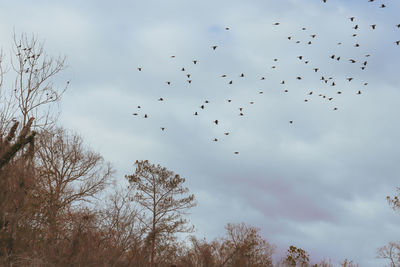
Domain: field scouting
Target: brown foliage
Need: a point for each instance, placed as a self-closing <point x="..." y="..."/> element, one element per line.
<point x="161" y="194"/>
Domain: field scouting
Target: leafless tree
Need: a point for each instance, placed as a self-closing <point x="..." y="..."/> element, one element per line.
<point x="68" y="172"/>
<point x="164" y="198"/>
<point x="34" y="90"/>
<point x="120" y="224"/>
<point x="391" y="252"/>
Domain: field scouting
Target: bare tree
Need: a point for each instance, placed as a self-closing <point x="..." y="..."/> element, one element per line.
<point x="121" y="227"/>
<point x="69" y="173"/>
<point x="164" y="198"/>
<point x="8" y="106"/>
<point x="391" y="252"/>
<point x="34" y="90"/>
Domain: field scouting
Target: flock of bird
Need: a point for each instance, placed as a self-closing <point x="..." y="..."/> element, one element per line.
<point x="325" y="79"/>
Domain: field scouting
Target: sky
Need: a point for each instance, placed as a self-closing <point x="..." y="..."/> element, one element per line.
<point x="319" y="183"/>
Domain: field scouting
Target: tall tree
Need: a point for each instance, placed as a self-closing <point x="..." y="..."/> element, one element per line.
<point x="165" y="200"/>
<point x="68" y="172"/>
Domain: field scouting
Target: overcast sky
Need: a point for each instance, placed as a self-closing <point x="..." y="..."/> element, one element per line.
<point x="319" y="183"/>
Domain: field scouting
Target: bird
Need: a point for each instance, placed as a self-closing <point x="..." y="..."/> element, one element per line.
<point x="373" y="26"/>
<point x="140" y="69"/>
<point x="291" y="122"/>
<point x="351" y="18"/>
<point x="169" y="83"/>
<point x="162" y="128"/>
<point x="145" y="116"/>
<point x="194" y="61"/>
<point x="196" y="113"/>
<point x="216" y="122"/>
<point x="183" y="69"/>
<point x="160" y="99"/>
<point x="214" y="47"/>
<point x="134" y="114"/>
<point x="236" y="152"/>
<point x="359" y="92"/>
<point x="227" y="133"/>
<point x="215" y="140"/>
<point x="242" y="75"/>
<point x="276" y="23"/>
